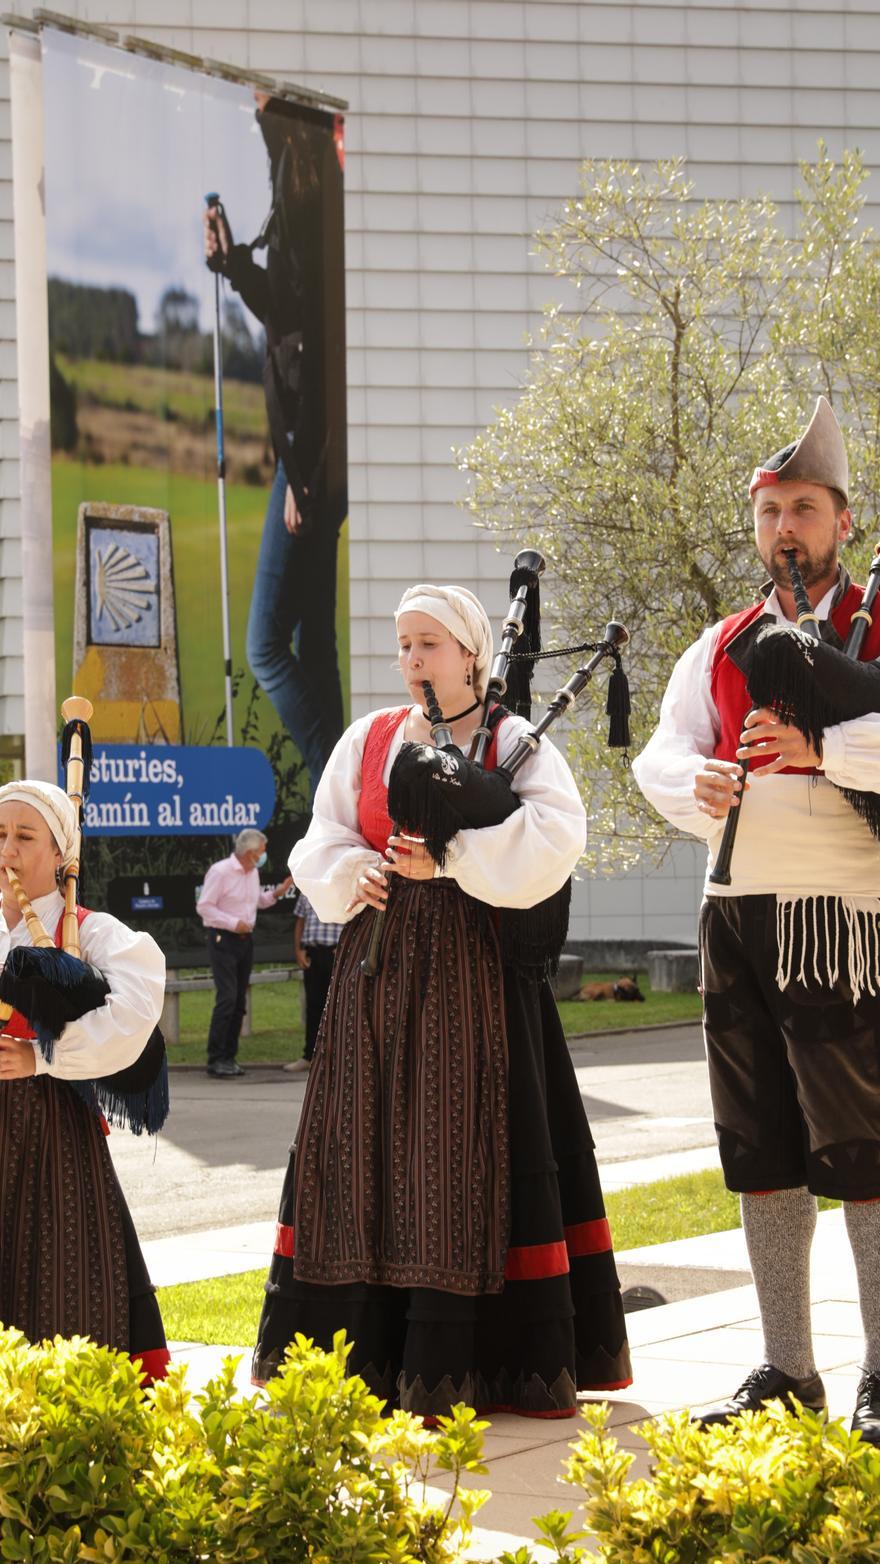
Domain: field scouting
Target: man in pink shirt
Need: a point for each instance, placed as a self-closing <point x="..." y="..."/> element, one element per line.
<point x="228" y="907"/>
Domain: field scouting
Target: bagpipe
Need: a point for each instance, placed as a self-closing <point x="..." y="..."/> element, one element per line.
<point x="435" y="791"/>
<point x="51" y="986"/>
<point x="811" y="686"/>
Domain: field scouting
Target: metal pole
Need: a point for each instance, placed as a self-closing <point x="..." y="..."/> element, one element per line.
<point x="214" y="200"/>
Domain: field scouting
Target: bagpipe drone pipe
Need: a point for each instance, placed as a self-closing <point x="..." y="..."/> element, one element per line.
<point x="435" y="791"/>
<point x="51" y="987"/>
<point x="812" y="686"/>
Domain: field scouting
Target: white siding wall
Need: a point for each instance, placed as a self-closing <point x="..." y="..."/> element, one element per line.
<point x="468" y="119"/>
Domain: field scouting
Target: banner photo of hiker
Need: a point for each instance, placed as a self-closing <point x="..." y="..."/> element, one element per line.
<point x="195" y="262"/>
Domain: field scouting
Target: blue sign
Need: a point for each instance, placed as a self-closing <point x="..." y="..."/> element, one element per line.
<point x="177" y="790"/>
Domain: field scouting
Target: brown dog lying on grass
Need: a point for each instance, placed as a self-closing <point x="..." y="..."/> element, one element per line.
<point x="624" y="989"/>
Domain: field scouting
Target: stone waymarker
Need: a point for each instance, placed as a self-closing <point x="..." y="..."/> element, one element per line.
<point x="125" y="655"/>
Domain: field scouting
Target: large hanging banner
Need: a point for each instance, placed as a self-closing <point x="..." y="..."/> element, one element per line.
<point x="192" y="226"/>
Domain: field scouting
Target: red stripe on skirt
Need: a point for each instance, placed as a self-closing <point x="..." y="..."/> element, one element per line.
<point x="534" y="1262"/>
<point x="284" y="1240"/>
<point x="154" y="1364"/>
<point x="588" y="1237"/>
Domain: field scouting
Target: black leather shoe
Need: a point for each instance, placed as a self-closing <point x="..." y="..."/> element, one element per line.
<point x="866" y="1417"/>
<point x="767" y="1384"/>
<point x="225" y="1069"/>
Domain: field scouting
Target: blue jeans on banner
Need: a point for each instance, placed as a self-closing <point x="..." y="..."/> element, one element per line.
<point x="291" y="633"/>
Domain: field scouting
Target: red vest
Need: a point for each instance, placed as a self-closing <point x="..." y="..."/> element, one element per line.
<point x="728" y="683"/>
<point x="373" y="817"/>
<point x="17" y="1026"/>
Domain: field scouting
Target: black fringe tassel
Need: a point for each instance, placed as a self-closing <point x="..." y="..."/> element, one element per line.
<point x="618" y="707"/>
<point x="518" y="695"/>
<point x="532" y="938"/>
<point x="419" y="799"/>
<point x="867" y="806"/>
<point x="136" y="1111"/>
<point x="49" y="988"/>
<point x="781" y="678"/>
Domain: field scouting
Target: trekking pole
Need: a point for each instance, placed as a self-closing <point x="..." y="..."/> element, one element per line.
<point x="213" y="199"/>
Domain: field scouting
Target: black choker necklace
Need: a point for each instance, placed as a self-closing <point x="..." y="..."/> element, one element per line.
<point x="466" y="713"/>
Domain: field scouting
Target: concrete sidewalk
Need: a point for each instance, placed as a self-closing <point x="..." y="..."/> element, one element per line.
<point x="685" y="1354"/>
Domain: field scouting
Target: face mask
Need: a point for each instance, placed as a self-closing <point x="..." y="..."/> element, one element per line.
<point x="261" y="860"/>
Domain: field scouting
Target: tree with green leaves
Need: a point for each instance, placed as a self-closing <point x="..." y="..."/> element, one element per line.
<point x="695" y="341"/>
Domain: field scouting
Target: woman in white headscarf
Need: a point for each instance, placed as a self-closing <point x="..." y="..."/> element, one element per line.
<point x="70" y="1261"/>
<point x="442" y="1203"/>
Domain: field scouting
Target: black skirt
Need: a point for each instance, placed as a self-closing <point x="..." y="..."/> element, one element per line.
<point x="552" y="1322"/>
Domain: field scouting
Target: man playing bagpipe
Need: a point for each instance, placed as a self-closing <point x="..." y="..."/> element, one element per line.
<point x="789" y="928"/>
<point x="70" y="1261"/>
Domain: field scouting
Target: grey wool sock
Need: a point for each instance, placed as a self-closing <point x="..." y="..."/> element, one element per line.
<point x="779" y="1229"/>
<point x="863" y="1226"/>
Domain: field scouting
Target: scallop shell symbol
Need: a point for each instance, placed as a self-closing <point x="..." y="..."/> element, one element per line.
<point x="123" y="586"/>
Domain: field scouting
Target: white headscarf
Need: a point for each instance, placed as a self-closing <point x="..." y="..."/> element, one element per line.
<point x="463" y="615"/>
<point x="53" y="804"/>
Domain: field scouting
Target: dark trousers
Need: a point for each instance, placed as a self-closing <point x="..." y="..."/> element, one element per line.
<point x="231" y="957"/>
<point x="316" y="978"/>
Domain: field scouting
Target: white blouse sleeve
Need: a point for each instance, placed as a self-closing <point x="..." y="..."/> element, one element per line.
<point x="326" y="863"/>
<point x="851" y="753"/>
<point x="683" y="740"/>
<point x="112" y="1037"/>
<point x="532" y="853"/>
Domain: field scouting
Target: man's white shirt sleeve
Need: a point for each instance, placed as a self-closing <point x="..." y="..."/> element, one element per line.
<point x="684" y="739"/>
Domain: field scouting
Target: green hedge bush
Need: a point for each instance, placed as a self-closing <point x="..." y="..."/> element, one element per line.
<point x="771" y="1485"/>
<point x="93" y="1469"/>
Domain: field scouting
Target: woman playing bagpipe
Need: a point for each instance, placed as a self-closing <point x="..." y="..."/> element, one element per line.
<point x="83" y="1037"/>
<point x="442" y="1203"/>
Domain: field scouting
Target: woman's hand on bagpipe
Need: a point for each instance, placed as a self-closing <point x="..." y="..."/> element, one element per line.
<point x="17" y="1059"/>
<point x="371" y="889"/>
<point x="718" y="788"/>
<point x="765" y="736"/>
<point x="410" y="857"/>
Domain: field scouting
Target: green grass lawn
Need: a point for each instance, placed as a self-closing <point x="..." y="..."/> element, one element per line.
<point x="152" y="389"/>
<point x="606" y="1015"/>
<point x="278" y="1031"/>
<point x="227" y="1309"/>
<point x="192" y="505"/>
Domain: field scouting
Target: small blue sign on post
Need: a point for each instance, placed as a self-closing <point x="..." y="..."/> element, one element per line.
<point x="177" y="790"/>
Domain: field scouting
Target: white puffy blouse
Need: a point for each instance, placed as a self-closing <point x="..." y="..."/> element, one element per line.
<point x="515" y="864"/>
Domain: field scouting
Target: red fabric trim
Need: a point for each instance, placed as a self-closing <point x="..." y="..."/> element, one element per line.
<point x="588" y="1237"/>
<point x="154" y="1363"/>
<point x="534" y="1262"/>
<point x="373" y="816"/>
<point x="762" y="478"/>
<point x="284" y="1241"/>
